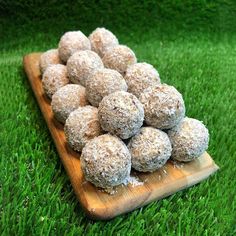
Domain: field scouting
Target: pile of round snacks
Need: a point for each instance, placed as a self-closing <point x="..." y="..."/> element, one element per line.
<point x="116" y="111"/>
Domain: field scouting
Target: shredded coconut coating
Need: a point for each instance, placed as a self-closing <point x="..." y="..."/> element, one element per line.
<point x="163" y="105"/>
<point x="121" y="113"/>
<point x="150" y="149"/>
<point x="106" y="161"/>
<point x="81" y="126"/>
<point x="140" y="76"/>
<point x="48" y="58"/>
<point x="102" y="40"/>
<point x="72" y="42"/>
<point x="54" y="77"/>
<point x="189" y="140"/>
<point x="133" y="181"/>
<point x="82" y="64"/>
<point x="119" y="58"/>
<point x="102" y="83"/>
<point x="68" y="99"/>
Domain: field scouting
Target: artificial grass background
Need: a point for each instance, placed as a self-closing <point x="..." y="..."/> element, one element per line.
<point x="192" y="45"/>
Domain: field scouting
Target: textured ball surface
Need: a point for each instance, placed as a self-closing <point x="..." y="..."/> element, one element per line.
<point x="140" y="76"/>
<point x="54" y="77"/>
<point x="102" y="83"/>
<point x="102" y="40"/>
<point x="150" y="149"/>
<point x="106" y="161"/>
<point x="163" y="105"/>
<point x="81" y="65"/>
<point x="119" y="58"/>
<point x="48" y="58"/>
<point x="81" y="126"/>
<point x="121" y="113"/>
<point x="189" y="139"/>
<point x="71" y="42"/>
<point x="68" y="99"/>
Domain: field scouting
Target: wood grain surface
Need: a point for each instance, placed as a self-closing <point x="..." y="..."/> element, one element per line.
<point x="101" y="205"/>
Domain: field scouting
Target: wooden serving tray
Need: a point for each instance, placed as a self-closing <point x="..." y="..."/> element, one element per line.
<point x="101" y="205"/>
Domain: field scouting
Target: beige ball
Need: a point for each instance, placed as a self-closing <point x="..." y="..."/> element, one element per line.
<point x="189" y="140"/>
<point x="48" y="58"/>
<point x="54" y="77"/>
<point x="102" y="40"/>
<point x="102" y="83"/>
<point x="106" y="161"/>
<point x="72" y="42"/>
<point x="140" y="76"/>
<point x="121" y="113"/>
<point x="81" y="65"/>
<point x="119" y="58"/>
<point x="81" y="126"/>
<point x="163" y="106"/>
<point x="67" y="99"/>
<point x="150" y="149"/>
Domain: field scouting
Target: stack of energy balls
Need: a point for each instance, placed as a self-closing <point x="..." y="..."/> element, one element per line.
<point x="116" y="111"/>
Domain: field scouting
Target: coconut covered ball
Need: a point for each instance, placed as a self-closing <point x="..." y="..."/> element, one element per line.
<point x="72" y="42"/>
<point x="102" y="40"/>
<point x="163" y="105"/>
<point x="150" y="149"/>
<point x="81" y="126"/>
<point x="102" y="83"/>
<point x="121" y="113"/>
<point x="106" y="161"/>
<point x="48" y="58"/>
<point x="119" y="58"/>
<point x="140" y="76"/>
<point x="68" y="99"/>
<point x="189" y="140"/>
<point x="82" y="64"/>
<point x="54" y="77"/>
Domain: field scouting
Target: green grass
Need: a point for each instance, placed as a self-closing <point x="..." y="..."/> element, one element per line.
<point x="36" y="197"/>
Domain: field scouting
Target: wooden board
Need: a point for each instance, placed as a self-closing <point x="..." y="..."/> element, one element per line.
<point x="101" y="205"/>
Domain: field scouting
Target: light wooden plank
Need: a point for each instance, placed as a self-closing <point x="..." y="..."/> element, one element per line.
<point x="98" y="204"/>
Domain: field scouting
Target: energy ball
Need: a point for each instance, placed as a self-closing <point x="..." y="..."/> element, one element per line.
<point x="81" y="126"/>
<point x="106" y="161"/>
<point x="150" y="149"/>
<point x="189" y="140"/>
<point x="68" y="99"/>
<point x="82" y="65"/>
<point x="163" y="106"/>
<point x="102" y="40"/>
<point x="121" y="113"/>
<point x="54" y="77"/>
<point x="48" y="58"/>
<point x="102" y="83"/>
<point x="119" y="58"/>
<point x="71" y="42"/>
<point x="140" y="76"/>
